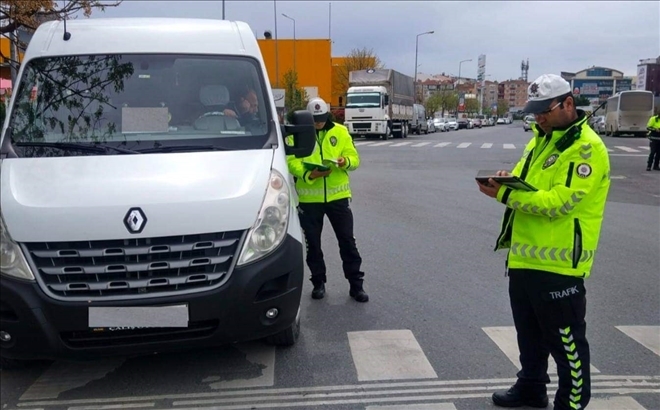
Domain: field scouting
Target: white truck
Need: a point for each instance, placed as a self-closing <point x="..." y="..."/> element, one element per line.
<point x="379" y="103"/>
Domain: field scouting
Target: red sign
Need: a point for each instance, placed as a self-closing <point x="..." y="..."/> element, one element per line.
<point x="461" y="107"/>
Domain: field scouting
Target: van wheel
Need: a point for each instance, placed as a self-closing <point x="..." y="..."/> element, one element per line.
<point x="10" y="364"/>
<point x="288" y="336"/>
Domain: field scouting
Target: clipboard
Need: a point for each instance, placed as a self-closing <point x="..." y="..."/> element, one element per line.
<point x="511" y="181"/>
<point x="311" y="167"/>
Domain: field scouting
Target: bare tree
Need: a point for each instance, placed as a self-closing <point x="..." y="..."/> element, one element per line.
<point x="29" y="14"/>
<point x="357" y="59"/>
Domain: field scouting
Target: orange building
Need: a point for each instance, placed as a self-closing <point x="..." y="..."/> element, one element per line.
<point x="5" y="46"/>
<point x="312" y="59"/>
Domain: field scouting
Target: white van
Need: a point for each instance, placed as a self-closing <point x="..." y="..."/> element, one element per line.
<point x="140" y="211"/>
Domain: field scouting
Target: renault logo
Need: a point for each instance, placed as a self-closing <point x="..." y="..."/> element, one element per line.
<point x="135" y="220"/>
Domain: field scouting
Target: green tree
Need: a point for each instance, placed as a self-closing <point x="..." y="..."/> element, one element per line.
<point x="433" y="104"/>
<point x="502" y="107"/>
<point x="449" y="100"/>
<point x="471" y="105"/>
<point x="295" y="97"/>
<point x="582" y="101"/>
<point x="357" y="59"/>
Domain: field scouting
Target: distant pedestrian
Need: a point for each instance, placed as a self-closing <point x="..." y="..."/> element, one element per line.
<point x="324" y="192"/>
<point x="552" y="235"/>
<point x="654" y="144"/>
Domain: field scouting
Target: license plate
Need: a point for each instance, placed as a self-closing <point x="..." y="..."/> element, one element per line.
<point x="138" y="317"/>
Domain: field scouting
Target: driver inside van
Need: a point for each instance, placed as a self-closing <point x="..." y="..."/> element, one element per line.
<point x="246" y="107"/>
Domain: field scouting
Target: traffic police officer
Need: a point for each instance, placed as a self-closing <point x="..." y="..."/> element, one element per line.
<point x="328" y="193"/>
<point x="552" y="235"/>
<point x="654" y="135"/>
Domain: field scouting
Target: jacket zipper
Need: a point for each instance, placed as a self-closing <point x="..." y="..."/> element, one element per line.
<point x="577" y="242"/>
<point x="325" y="188"/>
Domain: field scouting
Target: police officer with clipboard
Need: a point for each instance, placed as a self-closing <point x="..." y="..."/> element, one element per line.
<point x="552" y="236"/>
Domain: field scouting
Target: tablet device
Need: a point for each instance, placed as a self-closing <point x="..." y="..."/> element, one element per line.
<point x="310" y="166"/>
<point x="329" y="161"/>
<point x="509" y="181"/>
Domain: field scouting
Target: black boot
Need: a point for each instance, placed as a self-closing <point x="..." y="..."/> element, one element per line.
<point x="648" y="168"/>
<point x="516" y="397"/>
<point x="358" y="293"/>
<point x="319" y="291"/>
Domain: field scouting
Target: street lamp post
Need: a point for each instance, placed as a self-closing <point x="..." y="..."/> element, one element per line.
<point x="294" y="41"/>
<point x="416" y="51"/>
<point x="458" y="83"/>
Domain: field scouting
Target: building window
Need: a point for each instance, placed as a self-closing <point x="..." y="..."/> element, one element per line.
<point x="599" y="72"/>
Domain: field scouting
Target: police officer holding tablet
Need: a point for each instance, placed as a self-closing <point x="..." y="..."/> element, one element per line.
<point x="552" y="236"/>
<point x="323" y="186"/>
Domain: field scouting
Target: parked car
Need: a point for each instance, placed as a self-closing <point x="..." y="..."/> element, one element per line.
<point x="452" y="124"/>
<point x="501" y="121"/>
<point x="430" y="125"/>
<point x="440" y="124"/>
<point x="528" y="122"/>
<point x="476" y="122"/>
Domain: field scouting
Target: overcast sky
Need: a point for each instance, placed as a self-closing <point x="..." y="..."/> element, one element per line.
<point x="555" y="36"/>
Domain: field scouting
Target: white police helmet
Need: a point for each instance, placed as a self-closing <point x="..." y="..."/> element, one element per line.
<point x="319" y="109"/>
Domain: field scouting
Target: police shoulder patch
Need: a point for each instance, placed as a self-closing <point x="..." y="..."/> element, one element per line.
<point x="583" y="170"/>
<point x="333" y="141"/>
<point x="550" y="161"/>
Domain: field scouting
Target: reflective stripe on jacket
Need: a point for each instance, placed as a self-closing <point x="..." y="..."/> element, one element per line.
<point x="332" y="142"/>
<point x="557" y="228"/>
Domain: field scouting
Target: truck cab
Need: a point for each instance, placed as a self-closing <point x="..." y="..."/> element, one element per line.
<point x="366" y="111"/>
<point x="143" y="207"/>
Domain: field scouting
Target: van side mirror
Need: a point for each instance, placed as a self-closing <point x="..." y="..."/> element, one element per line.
<point x="304" y="134"/>
<point x="386" y="99"/>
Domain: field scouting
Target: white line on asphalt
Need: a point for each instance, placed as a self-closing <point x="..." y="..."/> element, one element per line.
<point x="429" y="406"/>
<point x="464" y="145"/>
<point x="62" y="376"/>
<point x="115" y="406"/>
<point x="380" y="144"/>
<point x="509" y="146"/>
<point x="644" y="147"/>
<point x="421" y="144"/>
<point x="609" y="403"/>
<point x="627" y="149"/>
<point x="610" y="150"/>
<point x="505" y="338"/>
<point x="357" y="144"/>
<point x="628" y="155"/>
<point x="647" y="336"/>
<point x="400" y="144"/>
<point x="618" y="177"/>
<point x="597" y="379"/>
<point x="442" y="144"/>
<point x="487" y="145"/>
<point x="388" y="355"/>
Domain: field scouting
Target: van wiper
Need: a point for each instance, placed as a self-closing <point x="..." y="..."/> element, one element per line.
<point x="184" y="148"/>
<point x="71" y="146"/>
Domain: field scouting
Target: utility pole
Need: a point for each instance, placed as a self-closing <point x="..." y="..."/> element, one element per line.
<point x="277" y="42"/>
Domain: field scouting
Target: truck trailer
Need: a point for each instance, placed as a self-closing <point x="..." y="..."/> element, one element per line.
<point x="379" y="103"/>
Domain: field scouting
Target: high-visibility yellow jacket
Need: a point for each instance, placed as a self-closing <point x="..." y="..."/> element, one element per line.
<point x="556" y="229"/>
<point x="332" y="142"/>
<point x="654" y="125"/>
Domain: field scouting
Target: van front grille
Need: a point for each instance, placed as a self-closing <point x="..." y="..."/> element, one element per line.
<point x="133" y="268"/>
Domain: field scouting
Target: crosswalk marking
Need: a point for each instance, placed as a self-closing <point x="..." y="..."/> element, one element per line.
<point x="647" y="336"/>
<point x="487" y="145"/>
<point x="509" y="146"/>
<point x="380" y="144"/>
<point x="610" y="150"/>
<point x="442" y="144"/>
<point x="388" y="355"/>
<point x="611" y="403"/>
<point x="505" y="338"/>
<point x="464" y="145"/>
<point x="627" y="149"/>
<point x="644" y="147"/>
<point x="357" y="144"/>
<point x="429" y="406"/>
<point x="400" y="144"/>
<point x="421" y="144"/>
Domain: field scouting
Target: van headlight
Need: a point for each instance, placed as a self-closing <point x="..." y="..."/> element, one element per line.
<point x="12" y="261"/>
<point x="270" y="229"/>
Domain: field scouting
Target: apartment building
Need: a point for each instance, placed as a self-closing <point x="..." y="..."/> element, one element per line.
<point x="514" y="92"/>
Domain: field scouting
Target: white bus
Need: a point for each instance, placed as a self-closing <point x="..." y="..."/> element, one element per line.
<point x="627" y="112"/>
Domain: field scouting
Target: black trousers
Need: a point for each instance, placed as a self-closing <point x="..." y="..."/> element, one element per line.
<point x="341" y="218"/>
<point x="654" y="156"/>
<point x="549" y="314"/>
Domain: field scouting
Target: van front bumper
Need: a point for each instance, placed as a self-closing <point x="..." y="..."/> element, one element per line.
<point x="44" y="328"/>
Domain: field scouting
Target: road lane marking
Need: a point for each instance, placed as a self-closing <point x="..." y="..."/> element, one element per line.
<point x="380" y="144"/>
<point x="388" y="355"/>
<point x="505" y="338"/>
<point x="442" y="144"/>
<point x="421" y="144"/>
<point x="509" y="146"/>
<point x="115" y="406"/>
<point x="621" y="382"/>
<point x="429" y="406"/>
<point x="400" y="144"/>
<point x="644" y="147"/>
<point x="64" y="376"/>
<point x="627" y="149"/>
<point x="647" y="336"/>
<point x="621" y="403"/>
<point x="464" y="145"/>
<point x="357" y="144"/>
<point x="487" y="145"/>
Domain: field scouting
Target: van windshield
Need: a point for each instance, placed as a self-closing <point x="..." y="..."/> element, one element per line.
<point x="139" y="102"/>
